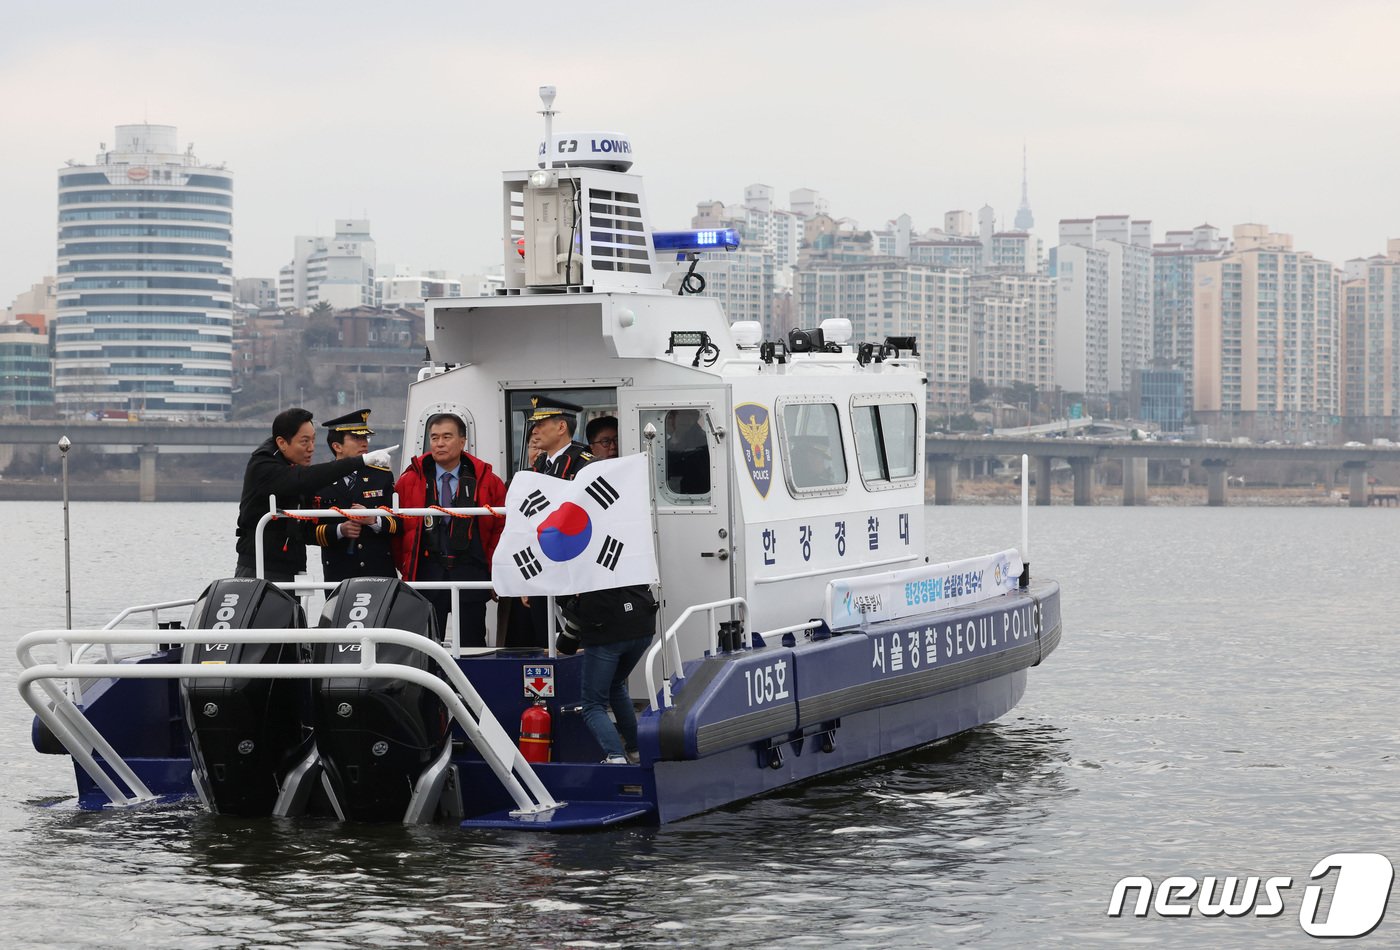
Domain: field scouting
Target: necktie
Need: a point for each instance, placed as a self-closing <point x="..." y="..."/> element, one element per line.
<point x="445" y="495"/>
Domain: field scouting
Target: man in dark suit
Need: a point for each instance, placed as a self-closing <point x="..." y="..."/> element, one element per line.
<point x="356" y="546"/>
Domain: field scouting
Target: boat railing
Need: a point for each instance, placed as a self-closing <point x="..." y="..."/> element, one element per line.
<point x="78" y="651"/>
<point x="86" y="744"/>
<point x="451" y="636"/>
<point x="668" y="643"/>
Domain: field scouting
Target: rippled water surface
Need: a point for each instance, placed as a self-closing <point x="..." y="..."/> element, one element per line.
<point x="1223" y="702"/>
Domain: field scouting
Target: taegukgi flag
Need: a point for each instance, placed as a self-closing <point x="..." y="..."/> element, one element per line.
<point x="568" y="537"/>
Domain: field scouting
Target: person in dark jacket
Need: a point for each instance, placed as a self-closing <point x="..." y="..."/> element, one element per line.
<point x="357" y="545"/>
<point x="282" y="467"/>
<point x="615" y="628"/>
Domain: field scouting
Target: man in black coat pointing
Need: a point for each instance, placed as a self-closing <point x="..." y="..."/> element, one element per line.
<point x="282" y="467"/>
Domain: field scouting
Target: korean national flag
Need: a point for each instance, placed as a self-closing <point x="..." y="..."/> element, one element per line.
<point x="591" y="533"/>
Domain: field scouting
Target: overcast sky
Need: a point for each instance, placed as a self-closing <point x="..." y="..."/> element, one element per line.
<point x="1182" y="112"/>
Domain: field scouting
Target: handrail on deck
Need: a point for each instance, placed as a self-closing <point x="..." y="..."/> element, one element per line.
<point x="669" y="637"/>
<point x="453" y="636"/>
<point x="306" y="514"/>
<point x="82" y="739"/>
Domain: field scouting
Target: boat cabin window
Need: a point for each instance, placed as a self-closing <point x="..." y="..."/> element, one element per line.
<point x="814" y="458"/>
<point x="598" y="401"/>
<point x="681" y="462"/>
<point x="428" y="413"/>
<point x="887" y="443"/>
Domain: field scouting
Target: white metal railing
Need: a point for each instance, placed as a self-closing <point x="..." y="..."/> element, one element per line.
<point x="452" y="635"/>
<point x="84" y="742"/>
<point x="670" y="636"/>
<point x="152" y="609"/>
<point x="669" y="639"/>
<point x="306" y="514"/>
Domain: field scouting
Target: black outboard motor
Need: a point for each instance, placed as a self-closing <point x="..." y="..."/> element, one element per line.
<point x="245" y="734"/>
<point x="384" y="743"/>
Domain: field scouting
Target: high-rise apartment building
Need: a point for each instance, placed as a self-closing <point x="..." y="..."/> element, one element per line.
<point x="1104" y="319"/>
<point x="1173" y="296"/>
<point x="1014" y="252"/>
<point x="26" y="381"/>
<point x="145" y="281"/>
<point x="1371" y="344"/>
<point x="885" y="297"/>
<point x="1013" y="329"/>
<point x="337" y="270"/>
<point x="256" y="293"/>
<point x="750" y="280"/>
<point x="1267" y="340"/>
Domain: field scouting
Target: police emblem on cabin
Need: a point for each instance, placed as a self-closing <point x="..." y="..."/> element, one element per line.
<point x="758" y="444"/>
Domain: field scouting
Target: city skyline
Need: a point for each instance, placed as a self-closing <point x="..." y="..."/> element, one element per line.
<point x="1242" y="113"/>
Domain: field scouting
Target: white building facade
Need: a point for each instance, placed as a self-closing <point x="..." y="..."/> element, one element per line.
<point x="1013" y="329"/>
<point x="885" y="297"/>
<point x="145" y="281"/>
<point x="1103" y="267"/>
<point x="408" y="287"/>
<point x="337" y="270"/>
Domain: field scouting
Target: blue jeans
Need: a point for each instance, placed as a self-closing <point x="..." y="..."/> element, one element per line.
<point x="605" y="670"/>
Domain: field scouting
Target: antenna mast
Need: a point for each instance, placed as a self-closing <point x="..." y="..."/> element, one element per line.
<point x="547" y="99"/>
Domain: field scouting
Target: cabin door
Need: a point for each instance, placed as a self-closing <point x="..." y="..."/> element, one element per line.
<point x="690" y="478"/>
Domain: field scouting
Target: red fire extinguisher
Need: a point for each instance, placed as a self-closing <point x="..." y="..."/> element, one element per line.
<point x="535" y="733"/>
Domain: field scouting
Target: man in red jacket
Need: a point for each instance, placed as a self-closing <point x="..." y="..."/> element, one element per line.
<point x="443" y="547"/>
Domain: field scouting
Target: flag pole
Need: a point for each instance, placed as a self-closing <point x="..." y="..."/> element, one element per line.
<point x="649" y="443"/>
<point x="63" y="446"/>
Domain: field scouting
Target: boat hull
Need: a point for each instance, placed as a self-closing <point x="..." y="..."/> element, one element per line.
<point x="737" y="726"/>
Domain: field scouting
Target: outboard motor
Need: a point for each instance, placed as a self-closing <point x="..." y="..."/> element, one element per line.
<point x="384" y="744"/>
<point x="245" y="734"/>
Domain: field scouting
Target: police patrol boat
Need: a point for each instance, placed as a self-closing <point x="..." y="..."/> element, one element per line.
<point x="803" y="625"/>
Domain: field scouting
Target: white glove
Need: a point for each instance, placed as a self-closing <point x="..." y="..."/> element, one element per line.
<point x="380" y="458"/>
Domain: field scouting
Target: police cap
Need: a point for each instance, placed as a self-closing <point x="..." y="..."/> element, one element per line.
<point x="547" y="407"/>
<point x="352" y="423"/>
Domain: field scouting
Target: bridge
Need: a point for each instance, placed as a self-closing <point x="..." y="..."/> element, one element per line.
<point x="1082" y="453"/>
<point x="149" y="440"/>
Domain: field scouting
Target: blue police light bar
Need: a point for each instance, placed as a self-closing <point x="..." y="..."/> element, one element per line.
<point x="712" y="239"/>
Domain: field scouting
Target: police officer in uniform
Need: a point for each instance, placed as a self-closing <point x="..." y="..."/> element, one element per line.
<point x="552" y="426"/>
<point x="356" y="546"/>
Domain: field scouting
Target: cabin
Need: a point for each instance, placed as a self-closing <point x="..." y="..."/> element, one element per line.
<point x="777" y="465"/>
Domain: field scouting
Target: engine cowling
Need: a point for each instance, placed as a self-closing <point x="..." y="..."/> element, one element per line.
<point x="378" y="738"/>
<point x="245" y="734"/>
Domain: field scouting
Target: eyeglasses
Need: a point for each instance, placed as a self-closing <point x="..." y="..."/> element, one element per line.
<point x="605" y="443"/>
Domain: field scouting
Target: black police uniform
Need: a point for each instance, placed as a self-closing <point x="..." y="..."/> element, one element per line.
<point x="565" y="465"/>
<point x="369" y="555"/>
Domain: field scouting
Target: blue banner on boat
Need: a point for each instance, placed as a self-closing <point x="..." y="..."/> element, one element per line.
<point x="893" y="595"/>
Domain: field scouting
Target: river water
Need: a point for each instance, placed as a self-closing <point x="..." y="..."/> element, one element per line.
<point x="1223" y="703"/>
